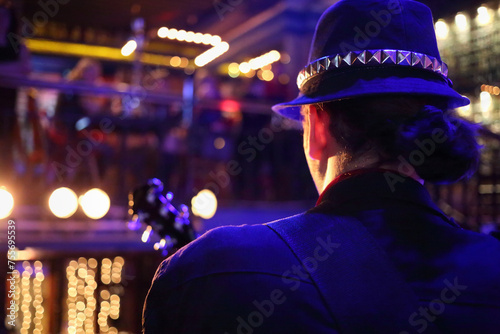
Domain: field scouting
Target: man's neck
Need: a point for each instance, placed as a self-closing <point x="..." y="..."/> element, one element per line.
<point x="337" y="166"/>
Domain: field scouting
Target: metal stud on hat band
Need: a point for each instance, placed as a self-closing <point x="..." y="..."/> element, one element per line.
<point x="372" y="58"/>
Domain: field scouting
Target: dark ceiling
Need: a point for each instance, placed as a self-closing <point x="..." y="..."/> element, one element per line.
<point x="182" y="14"/>
<point x="117" y="14"/>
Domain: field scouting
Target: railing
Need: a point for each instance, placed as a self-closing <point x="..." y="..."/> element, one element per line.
<point x="475" y="203"/>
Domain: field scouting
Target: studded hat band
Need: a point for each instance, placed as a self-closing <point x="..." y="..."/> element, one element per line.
<point x="372" y="58"/>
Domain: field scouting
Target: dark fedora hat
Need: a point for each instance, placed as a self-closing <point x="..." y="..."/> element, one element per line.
<point x="373" y="47"/>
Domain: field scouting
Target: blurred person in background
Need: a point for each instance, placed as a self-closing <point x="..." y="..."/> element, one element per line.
<point x="75" y="115"/>
<point x="375" y="255"/>
<point x="87" y="72"/>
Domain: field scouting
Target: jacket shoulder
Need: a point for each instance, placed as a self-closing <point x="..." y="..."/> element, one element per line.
<point x="219" y="282"/>
<point x="480" y="254"/>
<point x="228" y="249"/>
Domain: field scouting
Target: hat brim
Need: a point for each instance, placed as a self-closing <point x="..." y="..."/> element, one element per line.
<point x="376" y="87"/>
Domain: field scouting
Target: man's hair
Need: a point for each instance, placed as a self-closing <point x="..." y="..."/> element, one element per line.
<point x="441" y="146"/>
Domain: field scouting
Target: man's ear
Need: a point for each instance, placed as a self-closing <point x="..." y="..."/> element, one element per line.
<point x="318" y="132"/>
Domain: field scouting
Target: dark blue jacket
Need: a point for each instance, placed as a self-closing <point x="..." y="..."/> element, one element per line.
<point x="232" y="279"/>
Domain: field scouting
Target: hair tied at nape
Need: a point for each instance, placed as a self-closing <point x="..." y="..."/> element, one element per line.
<point x="430" y="110"/>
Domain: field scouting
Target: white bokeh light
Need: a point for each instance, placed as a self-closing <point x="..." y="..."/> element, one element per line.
<point x="204" y="204"/>
<point x="462" y="22"/>
<point x="95" y="203"/>
<point x="163" y="32"/>
<point x="442" y="29"/>
<point x="63" y="202"/>
<point x="6" y="203"/>
<point x="129" y="48"/>
<point x="484" y="16"/>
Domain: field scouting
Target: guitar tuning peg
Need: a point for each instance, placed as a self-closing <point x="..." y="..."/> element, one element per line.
<point x="156" y="184"/>
<point x="164" y="244"/>
<point x="170" y="196"/>
<point x="184" y="211"/>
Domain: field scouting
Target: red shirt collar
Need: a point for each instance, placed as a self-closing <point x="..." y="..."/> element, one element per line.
<point x="348" y="175"/>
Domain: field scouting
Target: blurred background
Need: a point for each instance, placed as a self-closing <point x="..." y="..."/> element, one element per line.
<point x="98" y="97"/>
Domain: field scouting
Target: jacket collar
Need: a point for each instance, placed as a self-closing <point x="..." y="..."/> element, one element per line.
<point x="364" y="185"/>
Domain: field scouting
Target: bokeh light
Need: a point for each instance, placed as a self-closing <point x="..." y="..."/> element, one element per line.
<point x="6" y="203"/>
<point x="209" y="55"/>
<point x="95" y="203"/>
<point x="63" y="202"/>
<point x="442" y="29"/>
<point x="163" y="32"/>
<point x="204" y="204"/>
<point x="129" y="48"/>
<point x="461" y="22"/>
<point x="484" y="16"/>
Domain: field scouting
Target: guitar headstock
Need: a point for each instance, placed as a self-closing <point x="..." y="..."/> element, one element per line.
<point x="148" y="205"/>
